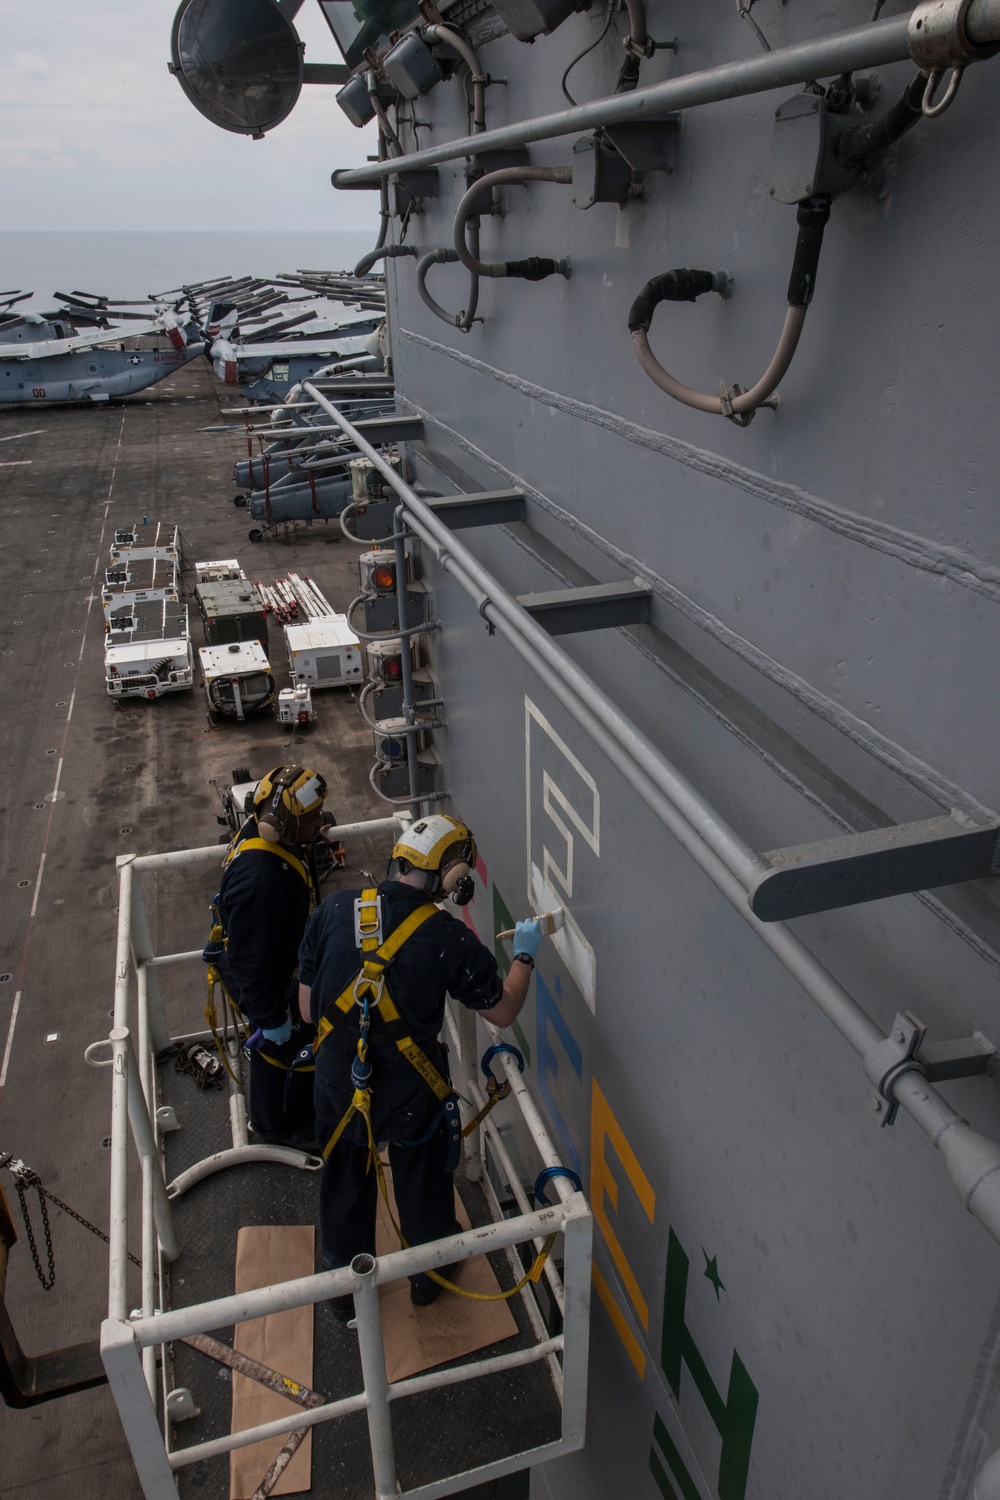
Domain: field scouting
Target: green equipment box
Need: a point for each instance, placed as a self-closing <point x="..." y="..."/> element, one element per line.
<point x="232" y="610"/>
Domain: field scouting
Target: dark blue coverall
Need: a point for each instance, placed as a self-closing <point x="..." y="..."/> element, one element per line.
<point x="263" y="905"/>
<point x="442" y="955"/>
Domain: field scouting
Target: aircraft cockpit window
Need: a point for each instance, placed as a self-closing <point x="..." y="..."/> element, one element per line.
<point x="360" y="24"/>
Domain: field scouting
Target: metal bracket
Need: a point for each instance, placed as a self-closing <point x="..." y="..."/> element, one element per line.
<point x="892" y="1057"/>
<point x="647" y="145"/>
<point x="859" y="867"/>
<point x="180" y="1405"/>
<point x="603" y="606"/>
<point x="904" y="1050"/>
<point x="965" y="1057"/>
<point x="484" y="508"/>
<point x="166" y="1118"/>
<point x="391" y="429"/>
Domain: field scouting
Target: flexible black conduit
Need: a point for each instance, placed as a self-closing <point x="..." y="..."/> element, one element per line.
<point x="686" y="286"/>
<point x="855" y="147"/>
<point x="535" y="267"/>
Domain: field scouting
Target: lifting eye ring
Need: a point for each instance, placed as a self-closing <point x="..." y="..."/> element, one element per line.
<point x="928" y="108"/>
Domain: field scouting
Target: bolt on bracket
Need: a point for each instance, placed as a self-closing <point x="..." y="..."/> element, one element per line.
<point x="904" y="1051"/>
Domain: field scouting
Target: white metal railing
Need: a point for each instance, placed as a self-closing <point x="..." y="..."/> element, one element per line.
<point x="129" y="1341"/>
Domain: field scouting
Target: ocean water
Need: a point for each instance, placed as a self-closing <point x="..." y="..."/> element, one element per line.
<point x="121" y="264"/>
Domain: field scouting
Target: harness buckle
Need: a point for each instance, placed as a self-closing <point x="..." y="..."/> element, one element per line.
<point x="368" y="921"/>
<point x="372" y="990"/>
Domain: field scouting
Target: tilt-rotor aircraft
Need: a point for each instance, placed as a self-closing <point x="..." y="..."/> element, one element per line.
<point x="43" y="359"/>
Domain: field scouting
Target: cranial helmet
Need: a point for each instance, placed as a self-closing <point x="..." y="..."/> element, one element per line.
<point x="283" y="796"/>
<point x="445" y="849"/>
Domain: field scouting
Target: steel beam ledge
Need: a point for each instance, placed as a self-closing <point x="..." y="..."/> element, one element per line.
<point x="861" y="867"/>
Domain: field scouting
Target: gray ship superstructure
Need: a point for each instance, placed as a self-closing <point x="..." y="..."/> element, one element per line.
<point x="678" y="561"/>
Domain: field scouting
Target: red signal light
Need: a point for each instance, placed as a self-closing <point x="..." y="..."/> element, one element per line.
<point x="384" y="576"/>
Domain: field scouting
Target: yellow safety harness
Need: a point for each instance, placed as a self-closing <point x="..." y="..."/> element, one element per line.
<point x="217" y="943"/>
<point x="369" y="989"/>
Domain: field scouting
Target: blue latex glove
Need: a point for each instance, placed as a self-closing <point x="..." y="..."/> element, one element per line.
<point x="527" y="938"/>
<point x="278" y="1034"/>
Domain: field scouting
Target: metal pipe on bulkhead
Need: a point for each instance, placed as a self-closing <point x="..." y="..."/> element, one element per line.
<point x="868" y="46"/>
<point x="972" y="1161"/>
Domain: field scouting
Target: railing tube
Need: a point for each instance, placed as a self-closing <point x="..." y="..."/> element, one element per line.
<point x="373" y="1371"/>
<point x="868" y="46"/>
<point x="145" y="1145"/>
<point x="118" y="1206"/>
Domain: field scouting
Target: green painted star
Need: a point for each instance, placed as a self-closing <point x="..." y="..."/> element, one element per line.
<point x="712" y="1272"/>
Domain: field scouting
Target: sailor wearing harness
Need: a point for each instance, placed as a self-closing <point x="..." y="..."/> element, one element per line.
<point x="268" y="890"/>
<point x="374" y="968"/>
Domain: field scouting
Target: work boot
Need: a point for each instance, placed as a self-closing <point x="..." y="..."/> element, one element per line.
<point x="424" y="1291"/>
<point x="342" y="1307"/>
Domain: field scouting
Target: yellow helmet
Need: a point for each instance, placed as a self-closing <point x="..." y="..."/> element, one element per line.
<point x="445" y="849"/>
<point x="286" y="793"/>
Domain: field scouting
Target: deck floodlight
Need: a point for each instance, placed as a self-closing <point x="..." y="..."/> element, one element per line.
<point x="240" y="62"/>
<point x="361" y="26"/>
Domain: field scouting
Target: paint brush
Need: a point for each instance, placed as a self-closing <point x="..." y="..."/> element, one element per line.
<point x="549" y="922"/>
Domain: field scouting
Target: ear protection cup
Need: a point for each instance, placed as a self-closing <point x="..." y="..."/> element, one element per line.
<point x="453" y="875"/>
<point x="457" y="882"/>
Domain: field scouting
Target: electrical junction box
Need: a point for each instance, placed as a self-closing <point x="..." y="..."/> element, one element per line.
<point x="527" y="19"/>
<point x="138" y="582"/>
<point x="366" y="481"/>
<point x="238" y="680"/>
<point x="216" y="572"/>
<point x="382" y="612"/>
<point x="373" y="520"/>
<point x="600" y="175"/>
<point x="412" y="67"/>
<point x="803" y="160"/>
<point x="231" y="610"/>
<point x="295" y="706"/>
<point x="143" y="541"/>
<point x="393" y="780"/>
<point x="386" y="701"/>
<point x="354" y="100"/>
<point x="324" y="653"/>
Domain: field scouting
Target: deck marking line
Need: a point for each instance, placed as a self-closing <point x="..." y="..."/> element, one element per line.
<point x="38" y="882"/>
<point x="35" y="432"/>
<point x="10" y="1040"/>
<point x="26" y="945"/>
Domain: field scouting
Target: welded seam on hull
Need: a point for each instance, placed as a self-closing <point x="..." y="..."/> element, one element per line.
<point x="914" y="770"/>
<point x="913" y="550"/>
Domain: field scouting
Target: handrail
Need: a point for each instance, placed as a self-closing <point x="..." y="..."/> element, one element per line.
<point x="972" y="1161"/>
<point x="128" y="1345"/>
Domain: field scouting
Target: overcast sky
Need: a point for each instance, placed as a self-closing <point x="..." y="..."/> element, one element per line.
<point x="95" y="134"/>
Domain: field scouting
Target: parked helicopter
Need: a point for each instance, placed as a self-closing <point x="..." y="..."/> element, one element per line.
<point x="44" y="359"/>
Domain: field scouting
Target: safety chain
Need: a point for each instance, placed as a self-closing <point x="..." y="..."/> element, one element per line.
<point x="25" y="1178"/>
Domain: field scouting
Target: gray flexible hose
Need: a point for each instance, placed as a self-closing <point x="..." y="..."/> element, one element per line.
<point x="441" y="257"/>
<point x="477" y="76"/>
<point x="535" y="268"/>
